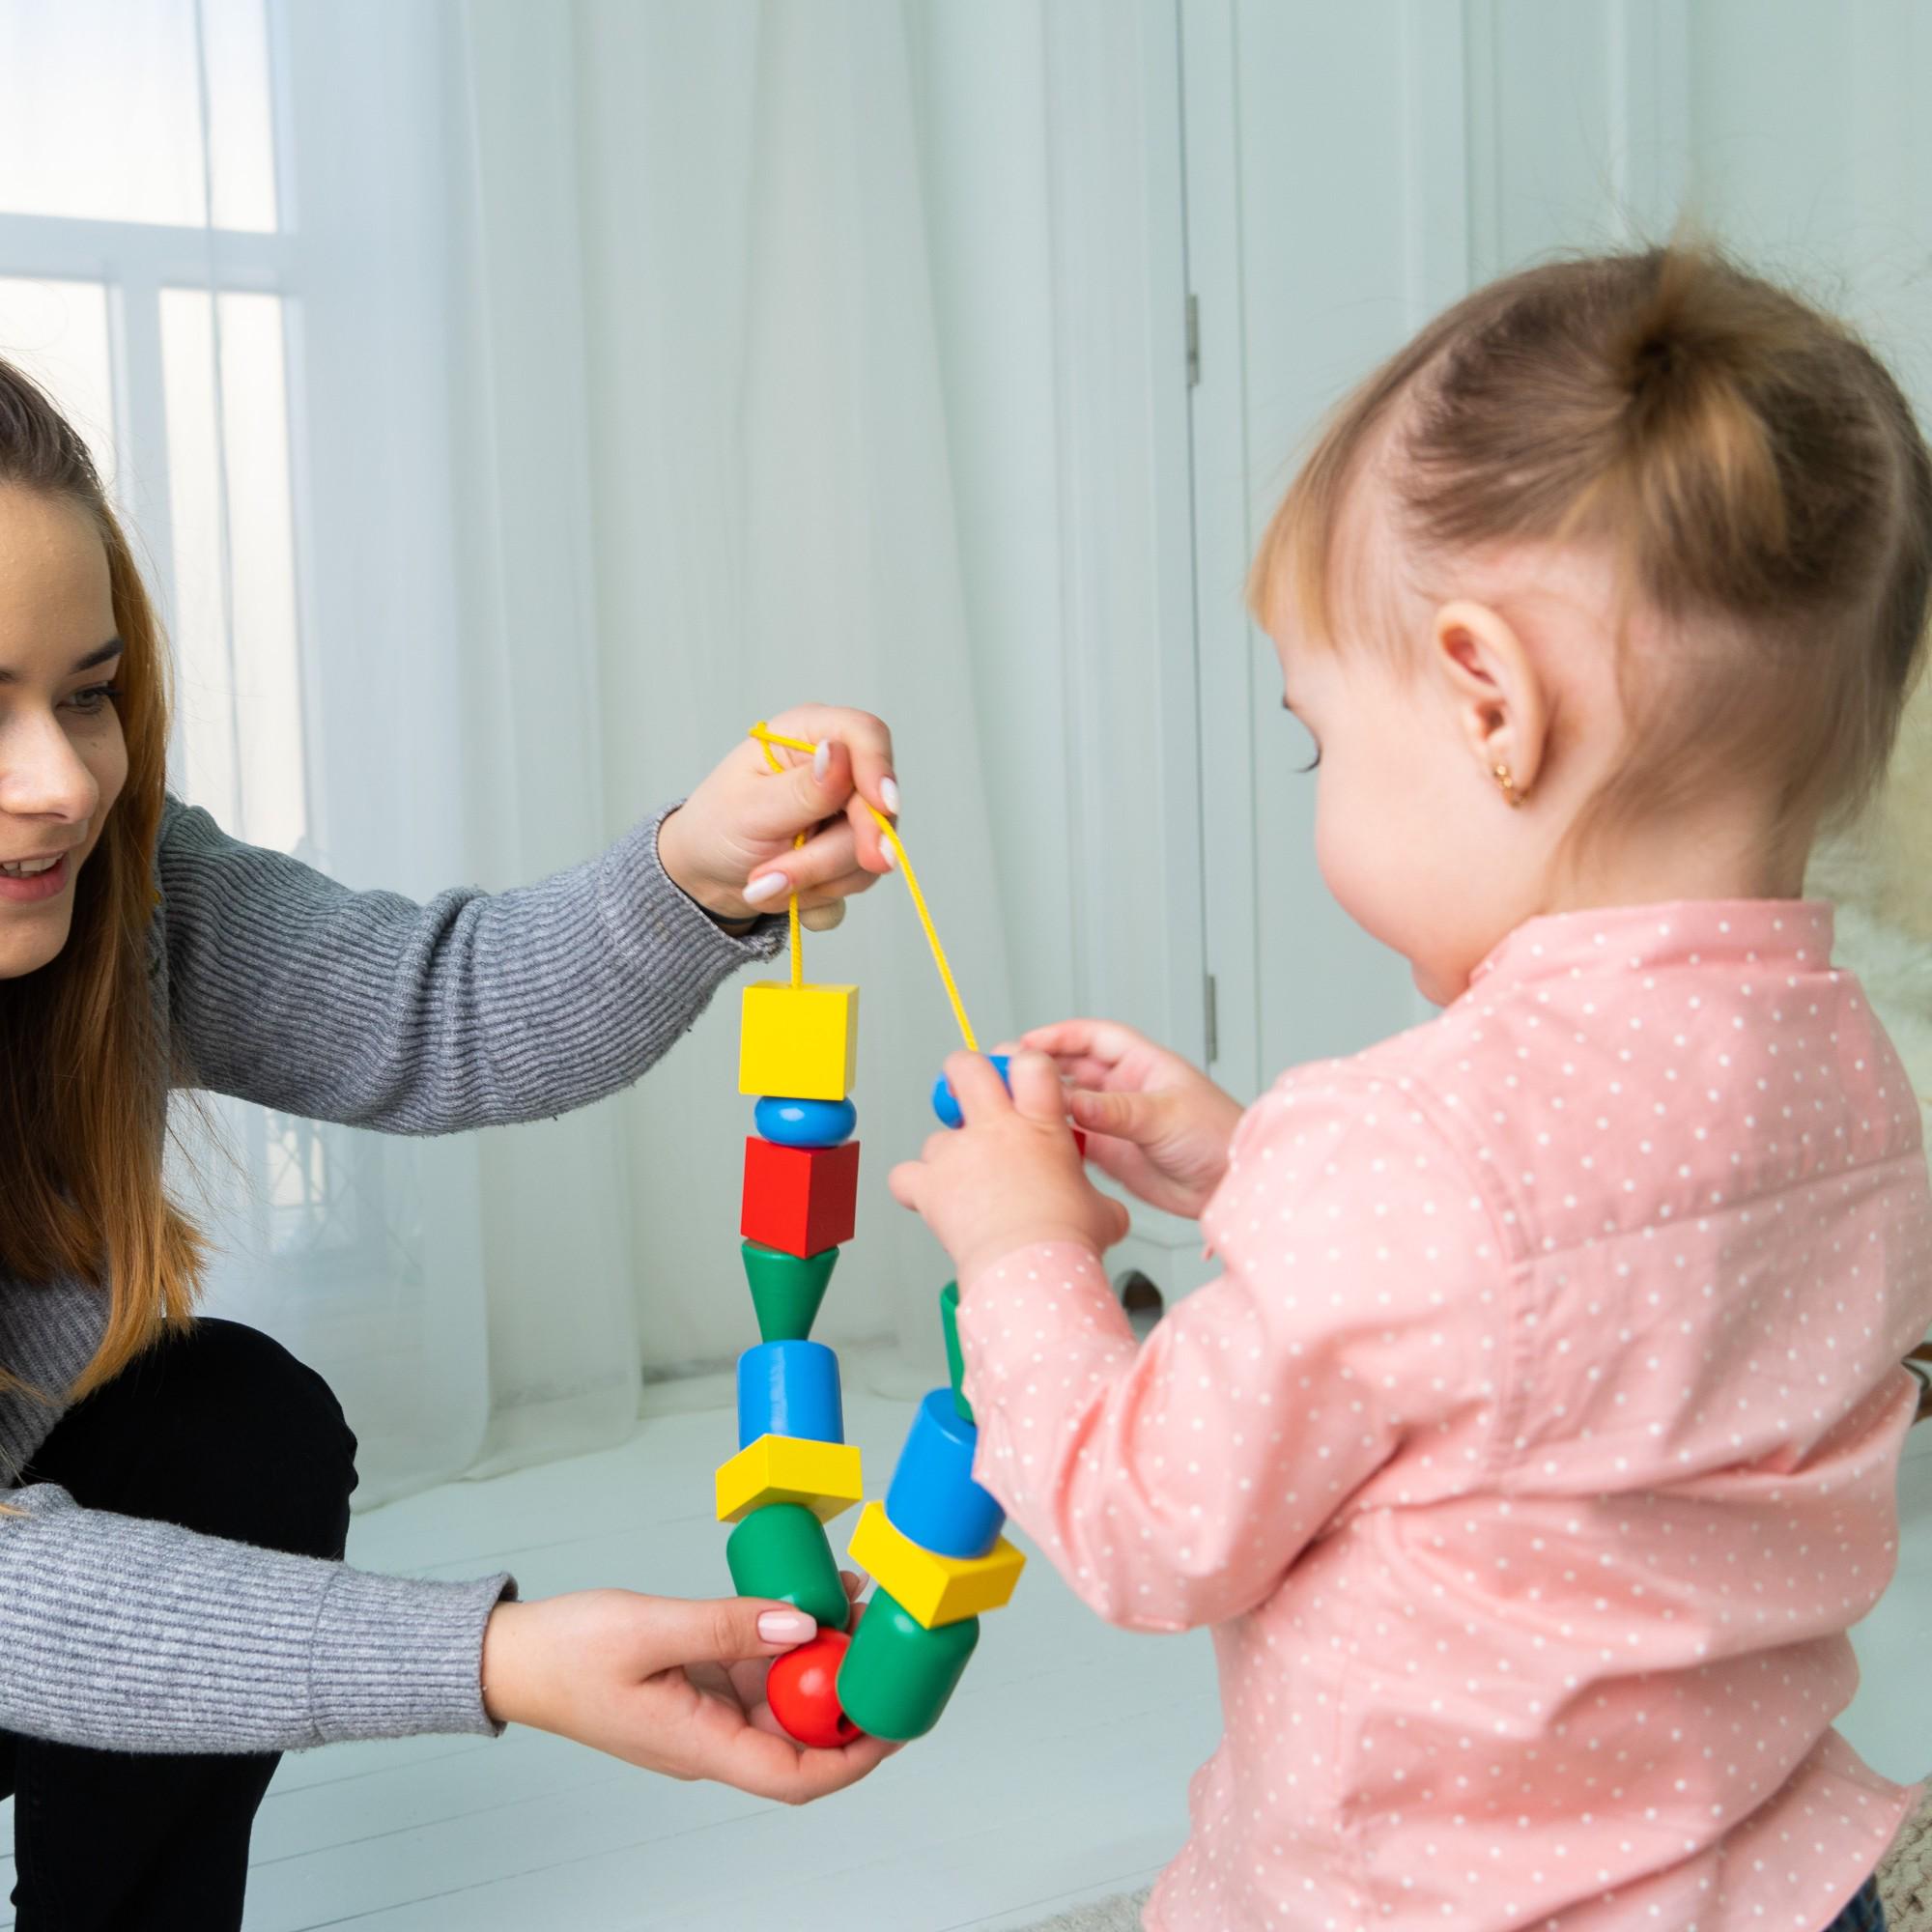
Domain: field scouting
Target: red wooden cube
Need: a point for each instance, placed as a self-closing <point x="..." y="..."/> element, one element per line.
<point x="800" y="1200"/>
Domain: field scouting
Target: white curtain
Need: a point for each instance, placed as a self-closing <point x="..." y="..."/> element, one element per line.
<point x="775" y="521"/>
<point x="563" y="397"/>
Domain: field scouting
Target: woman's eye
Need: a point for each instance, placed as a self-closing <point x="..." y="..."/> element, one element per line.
<point x="87" y="702"/>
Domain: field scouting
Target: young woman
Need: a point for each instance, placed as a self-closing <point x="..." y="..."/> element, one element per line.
<point x="174" y="1610"/>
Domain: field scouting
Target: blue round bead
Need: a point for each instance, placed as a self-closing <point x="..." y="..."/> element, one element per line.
<point x="933" y="1498"/>
<point x="805" y="1123"/>
<point x="946" y="1102"/>
<point x="789" y="1388"/>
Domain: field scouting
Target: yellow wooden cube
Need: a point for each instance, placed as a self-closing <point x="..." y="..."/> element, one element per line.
<point x="933" y="1589"/>
<point x="801" y="1042"/>
<point x="824" y="1476"/>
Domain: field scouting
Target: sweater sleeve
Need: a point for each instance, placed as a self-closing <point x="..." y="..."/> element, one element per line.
<point x="1174" y="1482"/>
<point x="127" y="1634"/>
<point x="475" y="1009"/>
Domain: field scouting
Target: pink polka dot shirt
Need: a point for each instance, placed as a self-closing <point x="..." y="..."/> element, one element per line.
<point x="1532" y="1453"/>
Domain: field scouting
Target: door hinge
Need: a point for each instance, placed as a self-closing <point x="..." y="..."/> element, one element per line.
<point x="1210" y="1014"/>
<point x="1193" y="341"/>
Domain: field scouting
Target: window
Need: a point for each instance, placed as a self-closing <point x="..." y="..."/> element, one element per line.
<point x="145" y="281"/>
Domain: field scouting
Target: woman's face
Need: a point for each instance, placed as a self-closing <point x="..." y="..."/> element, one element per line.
<point x="63" y="760"/>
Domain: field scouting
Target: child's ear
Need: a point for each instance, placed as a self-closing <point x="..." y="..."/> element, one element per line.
<point x="1501" y="701"/>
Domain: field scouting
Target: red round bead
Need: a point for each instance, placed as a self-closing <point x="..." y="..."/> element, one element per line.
<point x="803" y="1691"/>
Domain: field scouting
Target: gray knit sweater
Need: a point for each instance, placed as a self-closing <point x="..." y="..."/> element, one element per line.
<point x="282" y="988"/>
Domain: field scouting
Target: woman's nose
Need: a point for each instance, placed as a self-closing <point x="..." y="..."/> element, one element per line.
<point x="42" y="776"/>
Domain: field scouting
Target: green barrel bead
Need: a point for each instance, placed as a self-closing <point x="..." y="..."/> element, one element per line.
<point x="781" y="1551"/>
<point x="956" y="1362"/>
<point x="898" y="1674"/>
<point x="786" y="1289"/>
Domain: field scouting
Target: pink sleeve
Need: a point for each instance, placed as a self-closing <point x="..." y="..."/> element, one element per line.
<point x="1174" y="1482"/>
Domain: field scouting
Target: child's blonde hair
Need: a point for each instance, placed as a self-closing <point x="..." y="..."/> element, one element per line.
<point x="1748" y="465"/>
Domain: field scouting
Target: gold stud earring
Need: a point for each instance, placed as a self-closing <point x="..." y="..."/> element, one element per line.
<point x="1507" y="784"/>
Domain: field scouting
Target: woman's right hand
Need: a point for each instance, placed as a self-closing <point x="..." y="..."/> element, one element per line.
<point x="1153" y="1120"/>
<point x="675" y="1686"/>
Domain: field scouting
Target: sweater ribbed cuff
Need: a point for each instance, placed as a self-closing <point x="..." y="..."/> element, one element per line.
<point x="123" y="1633"/>
<point x="395" y="1656"/>
<point x="660" y="931"/>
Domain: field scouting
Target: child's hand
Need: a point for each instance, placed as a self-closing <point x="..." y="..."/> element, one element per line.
<point x="675" y="1686"/>
<point x="730" y="844"/>
<point x="1009" y="1177"/>
<point x="1157" y="1124"/>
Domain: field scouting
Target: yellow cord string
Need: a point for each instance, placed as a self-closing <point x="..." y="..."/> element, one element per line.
<point x="791" y="898"/>
<point x="767" y="737"/>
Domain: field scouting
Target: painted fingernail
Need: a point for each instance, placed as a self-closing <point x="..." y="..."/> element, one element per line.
<point x="766" y="885"/>
<point x="862" y="1581"/>
<point x="889" y="790"/>
<point x="821" y="758"/>
<point x="886" y="853"/>
<point x="786" y="1627"/>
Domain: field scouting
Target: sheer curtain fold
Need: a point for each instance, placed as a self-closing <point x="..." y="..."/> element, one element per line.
<point x="774" y="523"/>
<point x="517" y="402"/>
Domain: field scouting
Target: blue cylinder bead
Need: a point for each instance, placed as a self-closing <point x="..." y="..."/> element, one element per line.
<point x="805" y="1123"/>
<point x="789" y="1388"/>
<point x="933" y="1498"/>
<point x="946" y="1102"/>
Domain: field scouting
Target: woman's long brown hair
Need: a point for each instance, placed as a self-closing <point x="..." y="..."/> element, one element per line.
<point x="84" y="1068"/>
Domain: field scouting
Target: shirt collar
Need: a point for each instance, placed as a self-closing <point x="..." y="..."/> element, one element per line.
<point x="1793" y="933"/>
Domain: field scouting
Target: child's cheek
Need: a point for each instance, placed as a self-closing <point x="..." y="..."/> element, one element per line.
<point x="1347" y="849"/>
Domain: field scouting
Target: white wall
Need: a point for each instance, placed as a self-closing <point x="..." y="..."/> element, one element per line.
<point x="1352" y="170"/>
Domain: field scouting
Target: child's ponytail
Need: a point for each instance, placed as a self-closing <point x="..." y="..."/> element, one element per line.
<point x="1751" y="468"/>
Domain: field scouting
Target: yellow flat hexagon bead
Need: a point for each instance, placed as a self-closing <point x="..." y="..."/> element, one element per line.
<point x="933" y="1589"/>
<point x="801" y="1042"/>
<point x="824" y="1476"/>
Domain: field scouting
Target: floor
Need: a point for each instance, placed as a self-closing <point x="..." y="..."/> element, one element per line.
<point x="1057" y="1776"/>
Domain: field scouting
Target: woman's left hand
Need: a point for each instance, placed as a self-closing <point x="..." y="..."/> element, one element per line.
<point x="1012" y="1176"/>
<point x="729" y="845"/>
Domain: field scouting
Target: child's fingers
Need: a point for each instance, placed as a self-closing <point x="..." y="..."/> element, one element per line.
<point x="976" y="1082"/>
<point x="904" y="1184"/>
<point x="1035" y="1088"/>
<point x="1103" y="1040"/>
<point x="1122" y="1117"/>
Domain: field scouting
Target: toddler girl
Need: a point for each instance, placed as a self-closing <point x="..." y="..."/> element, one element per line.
<point x="1536" y="1447"/>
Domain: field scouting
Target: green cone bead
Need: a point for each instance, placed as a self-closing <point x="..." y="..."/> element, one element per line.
<point x="781" y="1551"/>
<point x="956" y="1362"/>
<point x="898" y="1674"/>
<point x="786" y="1289"/>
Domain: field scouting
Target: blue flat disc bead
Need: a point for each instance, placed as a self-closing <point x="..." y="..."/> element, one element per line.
<point x="946" y="1102"/>
<point x="805" y="1123"/>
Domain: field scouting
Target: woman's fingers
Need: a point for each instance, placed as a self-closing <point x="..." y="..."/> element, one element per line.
<point x="868" y="739"/>
<point x="825" y="868"/>
<point x="768" y="1764"/>
<point x="785" y="803"/>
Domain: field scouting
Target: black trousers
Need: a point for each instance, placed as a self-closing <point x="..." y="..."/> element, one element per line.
<point x="222" y="1431"/>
